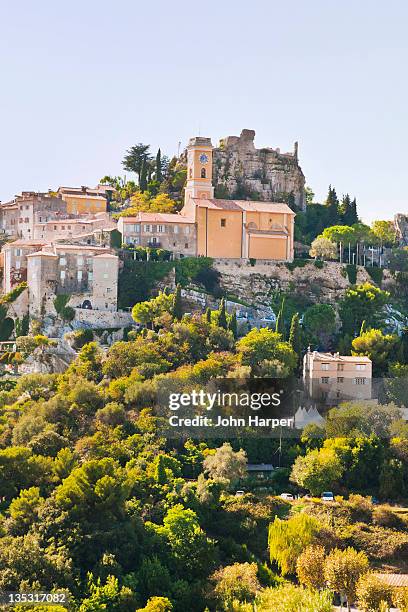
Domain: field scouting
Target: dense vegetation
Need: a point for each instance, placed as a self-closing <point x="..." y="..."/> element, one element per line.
<point x="97" y="502"/>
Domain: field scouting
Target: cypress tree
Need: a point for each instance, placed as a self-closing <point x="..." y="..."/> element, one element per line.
<point x="208" y="315"/>
<point x="159" y="174"/>
<point x="332" y="204"/>
<point x="280" y="320"/>
<point x="295" y="335"/>
<point x="143" y="175"/>
<point x="222" y="315"/>
<point x="232" y="324"/>
<point x="177" y="305"/>
<point x="353" y="212"/>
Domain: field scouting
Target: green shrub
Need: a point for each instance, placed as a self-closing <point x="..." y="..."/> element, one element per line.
<point x="385" y="517"/>
<point x="376" y="274"/>
<point x="371" y="591"/>
<point x="296" y="263"/>
<point x="12" y="295"/>
<point x="351" y="270"/>
<point x="319" y="263"/>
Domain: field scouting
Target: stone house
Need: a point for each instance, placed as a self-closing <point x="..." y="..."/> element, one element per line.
<point x="20" y="216"/>
<point x="175" y="233"/>
<point x="15" y="261"/>
<point x="331" y="377"/>
<point x="88" y="274"/>
<point x="57" y="229"/>
<point x="85" y="200"/>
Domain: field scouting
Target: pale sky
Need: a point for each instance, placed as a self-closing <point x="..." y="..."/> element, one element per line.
<point x="80" y="82"/>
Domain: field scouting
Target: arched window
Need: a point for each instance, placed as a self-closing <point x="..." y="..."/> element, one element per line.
<point x="203" y="174"/>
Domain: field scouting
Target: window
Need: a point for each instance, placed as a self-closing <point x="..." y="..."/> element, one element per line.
<point x="79" y="275"/>
<point x="80" y="261"/>
<point x="186" y="245"/>
<point x="105" y="275"/>
<point x="89" y="261"/>
<point x="175" y="229"/>
<point x="18" y="265"/>
<point x="63" y="227"/>
<point x="187" y="230"/>
<point x="325" y="366"/>
<point x="137" y="228"/>
<point x="340" y="379"/>
<point x="154" y="240"/>
<point x="161" y="229"/>
<point x="191" y="173"/>
<point x="90" y="276"/>
<point x="17" y="252"/>
<point x="26" y="220"/>
<point x="136" y="240"/>
<point x="147" y="228"/>
<point x="62" y="275"/>
<point x="63" y="261"/>
<point x="360" y="381"/>
<point x="40" y="219"/>
<point x="360" y="366"/>
<point x="203" y="173"/>
<point x="340" y="367"/>
<point x="108" y="289"/>
<point x="325" y="380"/>
<point x="69" y="227"/>
<point x="223" y="222"/>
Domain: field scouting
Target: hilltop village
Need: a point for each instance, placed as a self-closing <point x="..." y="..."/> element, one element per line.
<point x="80" y="258"/>
<point x="215" y="270"/>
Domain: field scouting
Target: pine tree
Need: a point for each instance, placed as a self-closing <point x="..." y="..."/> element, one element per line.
<point x="232" y="324"/>
<point x="222" y="315"/>
<point x="159" y="174"/>
<point x="177" y="305"/>
<point x="332" y="204"/>
<point x="161" y="475"/>
<point x="280" y="321"/>
<point x="143" y="175"/>
<point x="208" y="315"/>
<point x="295" y="335"/>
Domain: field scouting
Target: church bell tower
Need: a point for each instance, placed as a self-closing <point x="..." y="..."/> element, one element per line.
<point x="199" y="169"/>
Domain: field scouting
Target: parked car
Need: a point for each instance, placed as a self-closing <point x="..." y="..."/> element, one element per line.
<point x="239" y="493"/>
<point x="327" y="496"/>
<point x="286" y="496"/>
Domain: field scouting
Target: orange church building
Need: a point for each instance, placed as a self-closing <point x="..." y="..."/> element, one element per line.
<point x="233" y="228"/>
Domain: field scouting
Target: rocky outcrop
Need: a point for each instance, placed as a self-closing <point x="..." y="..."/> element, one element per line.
<point x="242" y="172"/>
<point x="401" y="226"/>
<point x="255" y="285"/>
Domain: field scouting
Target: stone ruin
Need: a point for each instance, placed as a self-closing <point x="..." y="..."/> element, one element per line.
<point x="243" y="172"/>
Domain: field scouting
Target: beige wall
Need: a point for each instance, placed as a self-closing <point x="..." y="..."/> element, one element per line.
<point x="80" y="205"/>
<point x="265" y="247"/>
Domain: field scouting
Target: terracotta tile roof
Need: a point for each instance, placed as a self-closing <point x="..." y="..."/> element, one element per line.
<point x="243" y="205"/>
<point x="146" y="217"/>
<point x="395" y="580"/>
<point x="22" y="242"/>
<point x="334" y="357"/>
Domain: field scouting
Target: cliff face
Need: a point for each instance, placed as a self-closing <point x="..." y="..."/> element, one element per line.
<point x="243" y="172"/>
<point x="401" y="225"/>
